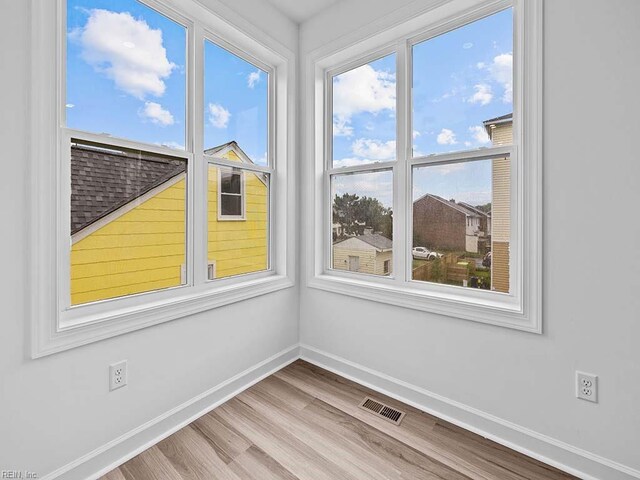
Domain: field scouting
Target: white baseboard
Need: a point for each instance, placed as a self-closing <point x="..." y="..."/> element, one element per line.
<point x="573" y="460"/>
<point x="583" y="464"/>
<point x="107" y="457"/>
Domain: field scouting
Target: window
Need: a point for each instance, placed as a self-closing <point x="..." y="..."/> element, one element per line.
<point x="433" y="143"/>
<point x="165" y="202"/>
<point x="231" y="195"/>
<point x="240" y="167"/>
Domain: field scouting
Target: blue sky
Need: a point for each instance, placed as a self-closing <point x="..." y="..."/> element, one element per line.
<point x="236" y="108"/>
<point x="126" y="76"/>
<point x="460" y="79"/>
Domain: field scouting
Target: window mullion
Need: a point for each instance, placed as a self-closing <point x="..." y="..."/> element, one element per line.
<point x="200" y="177"/>
<point x="461" y="156"/>
<point x="367" y="167"/>
<point x="403" y="149"/>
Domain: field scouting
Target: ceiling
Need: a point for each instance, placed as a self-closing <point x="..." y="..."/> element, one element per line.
<point x="301" y="10"/>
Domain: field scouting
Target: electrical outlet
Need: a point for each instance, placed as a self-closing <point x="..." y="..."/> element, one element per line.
<point x="117" y="375"/>
<point x="587" y="386"/>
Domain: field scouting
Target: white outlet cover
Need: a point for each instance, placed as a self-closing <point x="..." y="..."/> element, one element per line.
<point x="117" y="375"/>
<point x="587" y="387"/>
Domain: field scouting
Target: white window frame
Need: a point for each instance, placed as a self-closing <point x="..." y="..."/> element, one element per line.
<point x="521" y="308"/>
<point x="241" y="217"/>
<point x="55" y="325"/>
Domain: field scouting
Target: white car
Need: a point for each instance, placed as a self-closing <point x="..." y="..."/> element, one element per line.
<point x="421" y="253"/>
<point x="434" y="255"/>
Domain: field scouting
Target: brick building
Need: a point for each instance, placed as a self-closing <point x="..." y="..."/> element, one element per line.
<point x="446" y="225"/>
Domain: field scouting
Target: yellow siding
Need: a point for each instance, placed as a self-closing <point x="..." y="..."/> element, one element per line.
<point x="501" y="211"/>
<point x="501" y="201"/>
<point x="502" y="134"/>
<point x="367" y="259"/>
<point x="139" y="251"/>
<point x="500" y="267"/>
<point x="371" y="261"/>
<point x="380" y="259"/>
<point x="239" y="246"/>
<point x="144" y="249"/>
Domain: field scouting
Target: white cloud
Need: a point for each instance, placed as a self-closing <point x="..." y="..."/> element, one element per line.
<point x="218" y="115"/>
<point x="374" y="149"/>
<point x="158" y="115"/>
<point x="482" y="95"/>
<point x="446" y="137"/>
<point x="480" y="197"/>
<point x="349" y="162"/>
<point x="126" y="50"/>
<point x="501" y="71"/>
<point x="253" y="78"/>
<point x="361" y="90"/>
<point x="341" y="128"/>
<point x="467" y="45"/>
<point x="446" y="169"/>
<point x="173" y="145"/>
<point x="416" y="134"/>
<point x="479" y="134"/>
<point x="69" y="105"/>
<point x="376" y="185"/>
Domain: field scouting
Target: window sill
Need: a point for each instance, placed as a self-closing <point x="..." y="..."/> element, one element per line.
<point x="456" y="306"/>
<point x="122" y="321"/>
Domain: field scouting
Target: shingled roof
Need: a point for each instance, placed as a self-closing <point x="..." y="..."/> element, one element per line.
<point x="104" y="180"/>
<point x="376" y="240"/>
<point x="461" y="207"/>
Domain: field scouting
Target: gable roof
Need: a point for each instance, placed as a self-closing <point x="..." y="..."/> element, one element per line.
<point x="474" y="209"/>
<point x="221" y="150"/>
<point x="460" y="207"/>
<point x="376" y="240"/>
<point x="104" y="180"/>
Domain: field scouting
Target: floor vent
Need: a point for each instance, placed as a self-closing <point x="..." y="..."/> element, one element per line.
<point x="381" y="410"/>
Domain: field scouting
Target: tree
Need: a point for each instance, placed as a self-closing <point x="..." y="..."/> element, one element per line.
<point x="486" y="208"/>
<point x="354" y="213"/>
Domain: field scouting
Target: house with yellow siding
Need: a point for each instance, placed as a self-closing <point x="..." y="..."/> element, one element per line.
<point x="367" y="253"/>
<point x="500" y="131"/>
<point x="128" y="221"/>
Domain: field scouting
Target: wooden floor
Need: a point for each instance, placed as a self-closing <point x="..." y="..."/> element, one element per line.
<point x="304" y="423"/>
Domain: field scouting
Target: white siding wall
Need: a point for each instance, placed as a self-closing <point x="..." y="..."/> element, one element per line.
<point x="357" y="248"/>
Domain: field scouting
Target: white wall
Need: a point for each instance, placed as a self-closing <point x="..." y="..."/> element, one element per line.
<point x="55" y="409"/>
<point x="591" y="299"/>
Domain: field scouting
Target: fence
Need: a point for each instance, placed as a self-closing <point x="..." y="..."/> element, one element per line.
<point x="449" y="268"/>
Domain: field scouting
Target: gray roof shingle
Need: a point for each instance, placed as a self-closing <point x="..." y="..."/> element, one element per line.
<point x="376" y="240"/>
<point x="104" y="180"/>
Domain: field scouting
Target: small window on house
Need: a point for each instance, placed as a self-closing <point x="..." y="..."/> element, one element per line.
<point x="386" y="268"/>
<point x="231" y="194"/>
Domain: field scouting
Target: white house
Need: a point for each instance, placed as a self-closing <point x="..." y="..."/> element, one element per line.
<point x="368" y="253"/>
